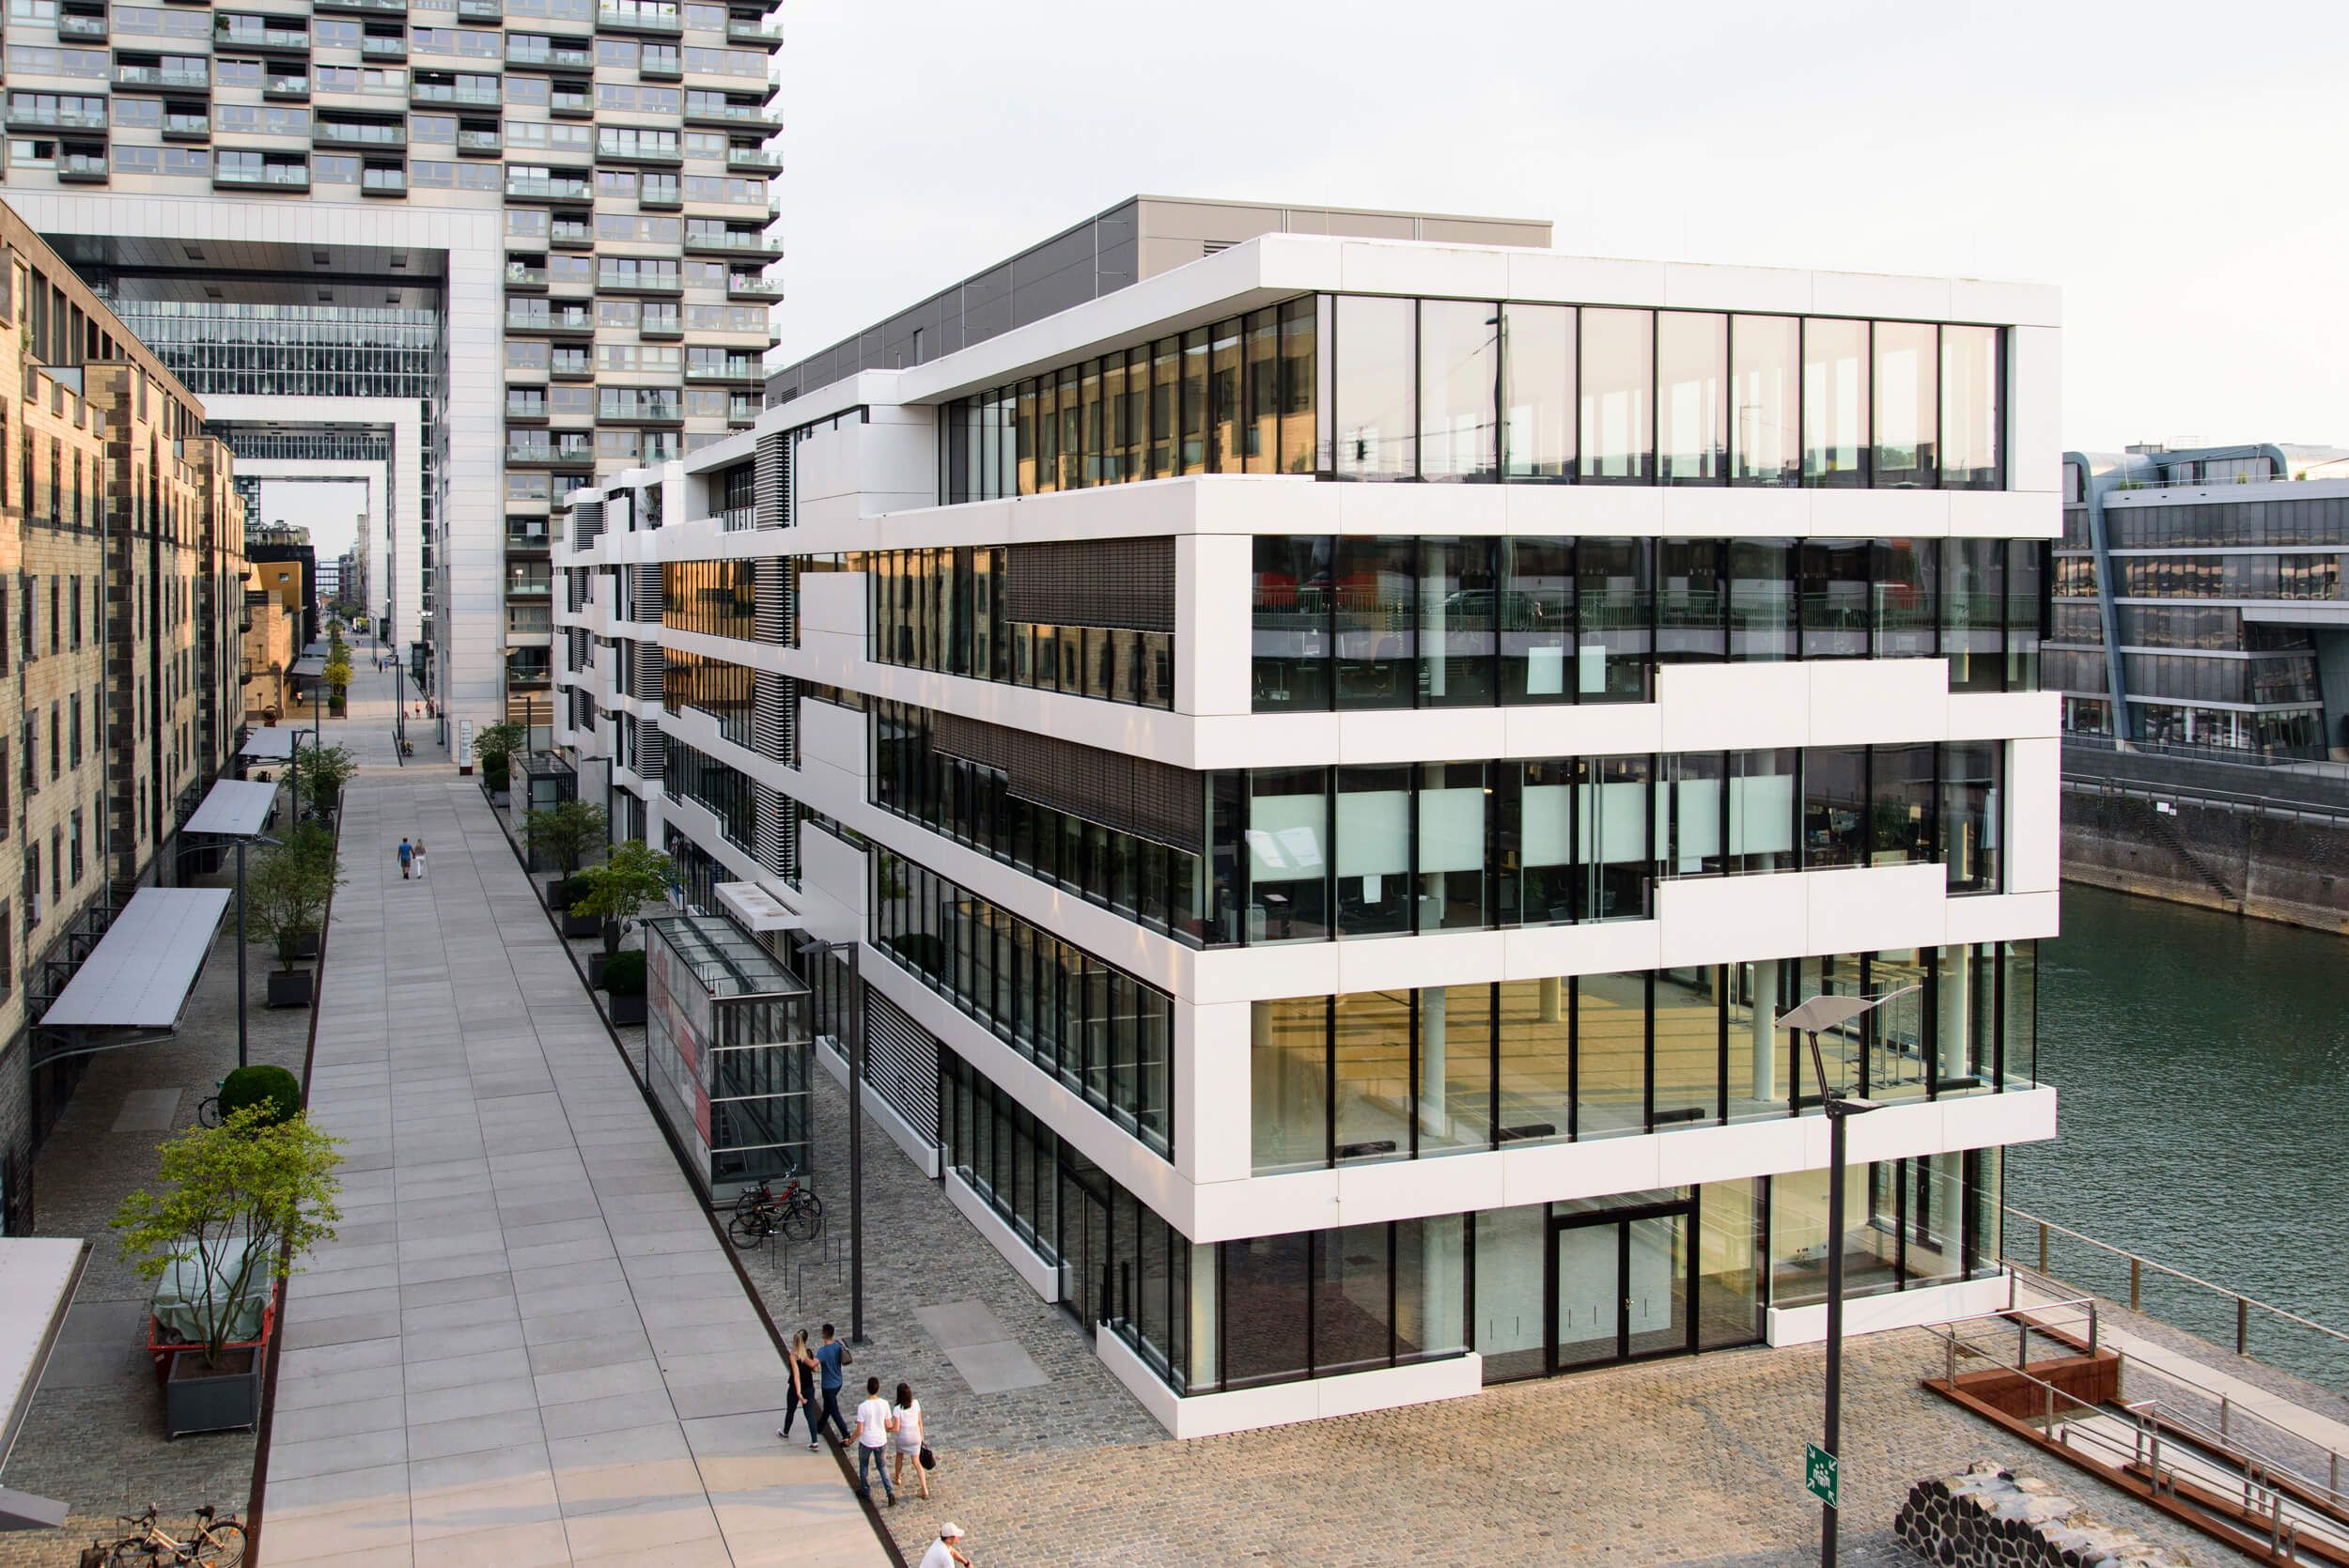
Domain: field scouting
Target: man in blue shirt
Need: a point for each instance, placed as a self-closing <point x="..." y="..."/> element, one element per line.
<point x="831" y="1357"/>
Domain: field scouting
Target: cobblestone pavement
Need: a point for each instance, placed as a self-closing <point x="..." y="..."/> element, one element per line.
<point x="94" y="1436"/>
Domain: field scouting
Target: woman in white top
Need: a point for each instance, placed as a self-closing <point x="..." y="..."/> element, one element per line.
<point x="909" y="1438"/>
<point x="419" y="859"/>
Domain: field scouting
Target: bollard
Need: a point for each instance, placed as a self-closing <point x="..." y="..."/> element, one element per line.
<point x="2224" y="1407"/>
<point x="2242" y="1325"/>
<point x="2042" y="1248"/>
<point x="2135" y="1272"/>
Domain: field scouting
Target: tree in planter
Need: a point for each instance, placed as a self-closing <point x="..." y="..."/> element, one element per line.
<point x="338" y="677"/>
<point x="493" y="747"/>
<point x="565" y="832"/>
<point x="285" y="894"/>
<point x="624" y="986"/>
<point x="634" y="876"/>
<point x="324" y="771"/>
<point x="269" y="1185"/>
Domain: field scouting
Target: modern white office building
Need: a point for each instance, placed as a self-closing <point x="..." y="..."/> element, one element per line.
<point x="1338" y="734"/>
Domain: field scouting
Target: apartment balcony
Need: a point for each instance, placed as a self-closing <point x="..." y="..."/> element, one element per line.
<point x="666" y="410"/>
<point x="572" y="105"/>
<point x="743" y="410"/>
<point x="620" y="150"/>
<point x="491" y="11"/>
<point x="81" y="168"/>
<point x="287" y="87"/>
<point x="479" y="144"/>
<point x="655" y="17"/>
<point x="187" y="127"/>
<point x="530" y="536"/>
<point x="22" y="112"/>
<point x="79" y="28"/>
<point x="573" y="236"/>
<point x="720" y="113"/>
<point x="658" y="194"/>
<point x="382" y="49"/>
<point x="749" y="286"/>
<point x="660" y="63"/>
<point x="161" y="79"/>
<point x="580" y="366"/>
<point x="291" y="178"/>
<point x="734" y="241"/>
<point x="522" y="278"/>
<point x="730" y="370"/>
<point x="549" y="188"/>
<point x="450" y="93"/>
<point x="378" y="7"/>
<point x="611" y="280"/>
<point x="570" y="451"/>
<point x="759" y="35"/>
<point x="373" y="136"/>
<point x="529" y="585"/>
<point x="567" y="320"/>
<point x="744" y="159"/>
<point x="383" y="180"/>
<point x="666" y="327"/>
<point x="557" y="56"/>
<point x="243" y="33"/>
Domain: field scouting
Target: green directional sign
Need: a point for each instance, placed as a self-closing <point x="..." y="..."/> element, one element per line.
<point x="1819" y="1474"/>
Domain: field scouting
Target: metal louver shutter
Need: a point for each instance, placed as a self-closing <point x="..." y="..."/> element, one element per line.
<point x="775" y="717"/>
<point x="650" y="683"/>
<point x="770" y="600"/>
<point x="650" y="764"/>
<point x="1131" y="794"/>
<point x="778" y="832"/>
<point x="648" y="595"/>
<point x="1105" y="582"/>
<point x="586" y="523"/>
<point x="771" y="479"/>
<point x="901" y="1061"/>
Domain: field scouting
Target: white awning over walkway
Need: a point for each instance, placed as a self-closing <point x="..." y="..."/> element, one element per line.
<point x="41" y="1272"/>
<point x="233" y="808"/>
<point x="757" y="908"/>
<point x="271" y="745"/>
<point x="308" y="665"/>
<point x="140" y="973"/>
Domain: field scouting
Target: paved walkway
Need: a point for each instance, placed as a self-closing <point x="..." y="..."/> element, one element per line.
<point x="526" y="1346"/>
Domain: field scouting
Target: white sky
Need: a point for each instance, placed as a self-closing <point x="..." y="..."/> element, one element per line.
<point x="2177" y="170"/>
<point x="330" y="511"/>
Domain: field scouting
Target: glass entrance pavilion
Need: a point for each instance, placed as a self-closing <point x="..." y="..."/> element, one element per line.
<point x="727" y="1051"/>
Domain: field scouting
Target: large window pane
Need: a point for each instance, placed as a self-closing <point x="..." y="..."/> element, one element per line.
<point x="1618" y="382"/>
<point x="1374" y="375"/>
<point x="1372" y="1061"/>
<point x="1690" y="804"/>
<point x="1970" y="807"/>
<point x="1691" y="376"/>
<point x="1192" y="404"/>
<point x="1612" y="838"/>
<point x="1455" y="1069"/>
<point x="1729" y="1263"/>
<point x="1373" y="851"/>
<point x="1166" y="387"/>
<point x="1761" y="598"/>
<point x="1536" y="619"/>
<point x="1451" y="853"/>
<point x="1612" y="616"/>
<point x="1972" y="452"/>
<point x="1291" y="623"/>
<point x="1611" y="1054"/>
<point x="1512" y="1321"/>
<point x="1289" y="1057"/>
<point x="1226" y="416"/>
<point x="1973" y="613"/>
<point x="1538" y="433"/>
<point x="1688" y="1054"/>
<point x="1456" y="602"/>
<point x="1834" y="806"/>
<point x="1763" y="799"/>
<point x="1351" y="1291"/>
<point x="1762" y="405"/>
<point x="1430" y="1287"/>
<point x="1908" y="572"/>
<point x="1538" y="842"/>
<point x="1906" y="406"/>
<point x="1689" y="601"/>
<point x="1834" y="402"/>
<point x="1377" y="622"/>
<point x="1901" y="813"/>
<point x="1800" y="1240"/>
<point x="2026" y="609"/>
<point x="1265" y="1319"/>
<point x="1300" y="379"/>
<point x="1835" y="597"/>
<point x="1536" y="1061"/>
<point x="1288" y="863"/>
<point x="1758" y="1074"/>
<point x="1459" y="367"/>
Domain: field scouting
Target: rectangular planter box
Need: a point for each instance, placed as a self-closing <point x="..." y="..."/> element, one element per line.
<point x="595" y="971"/>
<point x="306" y="945"/>
<point x="290" y="987"/>
<point x="626" y="1009"/>
<point x="197" y="1398"/>
<point x="581" y="925"/>
<point x="559" y="895"/>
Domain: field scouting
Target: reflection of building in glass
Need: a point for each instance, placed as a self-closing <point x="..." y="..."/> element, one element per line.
<point x="2199" y="600"/>
<point x="1339" y="751"/>
<point x="726" y="1051"/>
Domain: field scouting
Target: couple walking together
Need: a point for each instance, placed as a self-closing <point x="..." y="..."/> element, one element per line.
<point x="888" y="1432"/>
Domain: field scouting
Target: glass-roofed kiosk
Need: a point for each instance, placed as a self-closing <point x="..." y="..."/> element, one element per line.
<point x="727" y="1051"/>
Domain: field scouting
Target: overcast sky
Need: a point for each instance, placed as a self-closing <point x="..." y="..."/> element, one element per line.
<point x="2176" y="170"/>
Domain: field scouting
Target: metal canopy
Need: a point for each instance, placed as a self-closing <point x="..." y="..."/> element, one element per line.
<point x="308" y="665"/>
<point x="143" y="969"/>
<point x="234" y="809"/>
<point x="757" y="908"/>
<point x="272" y="745"/>
<point x="41" y="1272"/>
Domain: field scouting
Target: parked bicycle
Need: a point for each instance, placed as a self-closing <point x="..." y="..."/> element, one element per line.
<point x="760" y="1211"/>
<point x="217" y="1543"/>
<point x="208" y="1109"/>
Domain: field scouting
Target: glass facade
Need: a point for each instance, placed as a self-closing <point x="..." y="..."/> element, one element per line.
<point x="727" y="1052"/>
<point x="949" y="610"/>
<point x="1437" y="621"/>
<point x="728" y="795"/>
<point x="1382" y="387"/>
<point x="716" y="599"/>
<point x="724" y="692"/>
<point x="1412" y="1074"/>
<point x="1105" y="1034"/>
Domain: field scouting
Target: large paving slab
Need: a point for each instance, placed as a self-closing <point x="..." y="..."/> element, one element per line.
<point x="526" y="1345"/>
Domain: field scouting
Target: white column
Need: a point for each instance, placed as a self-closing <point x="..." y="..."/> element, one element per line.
<point x="1553" y="1005"/>
<point x="1764" y="1030"/>
<point x="1432" y="1119"/>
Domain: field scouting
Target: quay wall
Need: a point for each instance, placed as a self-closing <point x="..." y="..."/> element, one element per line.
<point x="2272" y="866"/>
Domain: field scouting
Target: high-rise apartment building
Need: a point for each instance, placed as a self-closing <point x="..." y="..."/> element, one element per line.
<point x="122" y="579"/>
<point x="2199" y="600"/>
<point x="469" y="253"/>
<point x="1338" y="735"/>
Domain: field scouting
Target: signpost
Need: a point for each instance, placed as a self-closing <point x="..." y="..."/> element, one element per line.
<point x="1819" y="1473"/>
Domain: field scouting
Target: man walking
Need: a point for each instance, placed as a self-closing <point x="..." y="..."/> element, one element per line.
<point x="407" y="854"/>
<point x="946" y="1551"/>
<point x="874" y="1423"/>
<point x="831" y="1357"/>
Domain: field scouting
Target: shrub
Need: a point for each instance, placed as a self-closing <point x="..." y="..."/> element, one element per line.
<point x="624" y="973"/>
<point x="272" y="1088"/>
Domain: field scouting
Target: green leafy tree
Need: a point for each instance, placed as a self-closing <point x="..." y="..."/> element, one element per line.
<point x="624" y="973"/>
<point x="565" y="832"/>
<point x="324" y="771"/>
<point x="633" y="878"/>
<point x="493" y="747"/>
<point x="287" y="890"/>
<point x="269" y="1185"/>
<point x="263" y="1084"/>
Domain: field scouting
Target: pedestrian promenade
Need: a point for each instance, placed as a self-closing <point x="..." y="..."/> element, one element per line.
<point x="526" y="1346"/>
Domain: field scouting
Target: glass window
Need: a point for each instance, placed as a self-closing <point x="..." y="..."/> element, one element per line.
<point x="2025" y="611"/>
<point x="1611" y="1054"/>
<point x="1373" y="851"/>
<point x="1375" y="372"/>
<point x="1225" y="414"/>
<point x="1801" y="1242"/>
<point x="1376" y="623"/>
<point x="1908" y="572"/>
<point x="1165" y="393"/>
<point x="1689" y="601"/>
<point x="1193" y="402"/>
<point x="1835" y="597"/>
<point x="1761" y="809"/>
<point x="1536" y="619"/>
<point x="1973" y="613"/>
<point x="1287" y="855"/>
<point x="1906" y="405"/>
<point x="1452" y="849"/>
<point x="1292" y="584"/>
<point x="1691" y="373"/>
<point x="1762" y="412"/>
<point x="1512" y="1315"/>
<point x="1834" y="402"/>
<point x="1263" y="431"/>
<point x="1459" y="366"/>
<point x="1612" y="612"/>
<point x="1970" y="808"/>
<point x="1612" y="824"/>
<point x="1618" y="378"/>
<point x="1266" y="1288"/>
<point x="1536" y="1090"/>
<point x="1834" y="806"/>
<point x="1353" y="1296"/>
<point x="1455" y="1068"/>
<point x="1972" y="452"/>
<point x="1687" y="1055"/>
<point x="1538" y="434"/>
<point x="1689" y="806"/>
<point x="1761" y="598"/>
<point x="1456" y="602"/>
<point x="1371" y="1053"/>
<point x="1902" y="799"/>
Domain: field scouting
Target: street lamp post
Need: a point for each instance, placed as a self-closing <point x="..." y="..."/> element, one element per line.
<point x="1819" y="1014"/>
<point x="813" y="947"/>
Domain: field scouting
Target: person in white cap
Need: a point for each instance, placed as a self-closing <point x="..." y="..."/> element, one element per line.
<point x="944" y="1552"/>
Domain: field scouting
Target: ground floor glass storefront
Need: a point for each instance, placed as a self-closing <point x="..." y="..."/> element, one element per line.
<point x="1538" y="1290"/>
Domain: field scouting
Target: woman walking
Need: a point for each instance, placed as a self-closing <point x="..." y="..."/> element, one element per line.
<point x="909" y="1444"/>
<point x="419" y="858"/>
<point x="800" y="1364"/>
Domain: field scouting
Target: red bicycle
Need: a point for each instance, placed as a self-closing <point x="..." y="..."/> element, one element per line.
<point x="761" y="1211"/>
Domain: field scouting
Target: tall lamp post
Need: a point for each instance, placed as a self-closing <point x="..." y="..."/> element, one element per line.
<point x="815" y="949"/>
<point x="1822" y="1013"/>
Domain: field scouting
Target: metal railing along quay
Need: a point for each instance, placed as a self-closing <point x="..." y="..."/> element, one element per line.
<point x="2243" y="1309"/>
<point x="2239" y="802"/>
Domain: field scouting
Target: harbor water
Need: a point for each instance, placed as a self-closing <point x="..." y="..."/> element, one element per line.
<point x="2203" y="1066"/>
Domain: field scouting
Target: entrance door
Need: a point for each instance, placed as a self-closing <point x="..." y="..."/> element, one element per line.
<point x="1620" y="1284"/>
